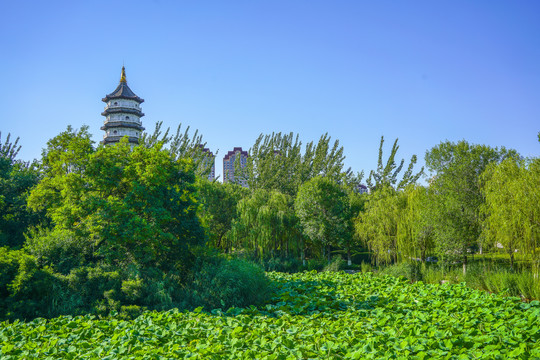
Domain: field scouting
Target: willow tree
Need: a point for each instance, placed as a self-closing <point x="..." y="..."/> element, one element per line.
<point x="378" y="224"/>
<point x="266" y="224"/>
<point x="415" y="236"/>
<point x="512" y="194"/>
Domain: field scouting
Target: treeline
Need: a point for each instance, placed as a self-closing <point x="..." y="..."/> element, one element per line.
<point x="111" y="229"/>
<point x="97" y="229"/>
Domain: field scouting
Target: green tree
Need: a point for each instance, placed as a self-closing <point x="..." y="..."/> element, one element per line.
<point x="276" y="162"/>
<point x="387" y="175"/>
<point x="137" y="205"/>
<point x="512" y="206"/>
<point x="181" y="145"/>
<point x="322" y="207"/>
<point x="16" y="178"/>
<point x="415" y="235"/>
<point x="378" y="224"/>
<point x="455" y="209"/>
<point x="266" y="224"/>
<point x="218" y="210"/>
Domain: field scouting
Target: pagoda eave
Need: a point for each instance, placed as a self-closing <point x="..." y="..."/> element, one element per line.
<point x="121" y="124"/>
<point x="136" y="98"/>
<point x="115" y="139"/>
<point x="118" y="110"/>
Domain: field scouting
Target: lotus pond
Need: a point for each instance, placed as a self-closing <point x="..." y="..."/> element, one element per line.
<point x="312" y="316"/>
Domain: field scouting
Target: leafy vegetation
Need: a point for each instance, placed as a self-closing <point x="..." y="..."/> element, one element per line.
<point x="316" y="316"/>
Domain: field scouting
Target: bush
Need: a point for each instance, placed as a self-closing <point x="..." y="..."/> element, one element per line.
<point x="59" y="249"/>
<point x="409" y="270"/>
<point x="222" y="283"/>
<point x="336" y="264"/>
<point x="282" y="264"/>
<point x="9" y="266"/>
<point x="37" y="292"/>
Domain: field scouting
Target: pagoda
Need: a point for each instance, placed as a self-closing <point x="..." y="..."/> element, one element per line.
<point x="122" y="114"/>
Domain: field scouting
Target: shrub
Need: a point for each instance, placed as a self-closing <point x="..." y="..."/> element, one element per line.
<point x="38" y="292"/>
<point x="409" y="270"/>
<point x="282" y="264"/>
<point x="59" y="249"/>
<point x="366" y="267"/>
<point x="222" y="283"/>
<point x="9" y="265"/>
<point x="336" y="264"/>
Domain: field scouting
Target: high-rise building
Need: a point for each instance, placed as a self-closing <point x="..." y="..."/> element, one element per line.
<point x="228" y="165"/>
<point x="122" y="114"/>
<point x="208" y="162"/>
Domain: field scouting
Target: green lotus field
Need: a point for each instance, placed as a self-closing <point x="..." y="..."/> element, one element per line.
<point x="313" y="316"/>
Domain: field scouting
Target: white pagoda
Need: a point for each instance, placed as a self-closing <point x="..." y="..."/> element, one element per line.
<point x="122" y="114"/>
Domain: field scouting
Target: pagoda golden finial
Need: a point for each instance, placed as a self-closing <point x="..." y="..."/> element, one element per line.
<point x="123" y="77"/>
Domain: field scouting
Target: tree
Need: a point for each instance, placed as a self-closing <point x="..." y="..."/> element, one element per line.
<point x="276" y="162"/>
<point x="415" y="235"/>
<point x="386" y="175"/>
<point x="138" y="206"/>
<point x="455" y="209"/>
<point x="16" y="178"/>
<point x="180" y="146"/>
<point x="378" y="224"/>
<point x="512" y="206"/>
<point x="266" y="224"/>
<point x="322" y="207"/>
<point x="218" y="210"/>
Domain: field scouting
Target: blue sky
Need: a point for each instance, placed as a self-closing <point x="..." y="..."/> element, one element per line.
<point x="420" y="71"/>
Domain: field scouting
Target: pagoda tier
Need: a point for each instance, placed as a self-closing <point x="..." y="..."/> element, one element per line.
<point x="118" y="124"/>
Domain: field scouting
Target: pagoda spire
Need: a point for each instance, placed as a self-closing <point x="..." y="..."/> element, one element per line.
<point x="123" y="77"/>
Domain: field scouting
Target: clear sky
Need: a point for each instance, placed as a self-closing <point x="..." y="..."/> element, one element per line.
<point x="420" y="71"/>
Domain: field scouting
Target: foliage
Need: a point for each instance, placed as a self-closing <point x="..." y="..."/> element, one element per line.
<point x="411" y="270"/>
<point x="16" y="178"/>
<point x="181" y="146"/>
<point x="415" y="236"/>
<point x="322" y="206"/>
<point x="387" y="175"/>
<point x="336" y="264"/>
<point x="512" y="206"/>
<point x="60" y="249"/>
<point x="137" y="205"/>
<point x="379" y="224"/>
<point x="455" y="209"/>
<point x="223" y="283"/>
<point x="218" y="210"/>
<point x="315" y="316"/>
<point x="266" y="224"/>
<point x="276" y="162"/>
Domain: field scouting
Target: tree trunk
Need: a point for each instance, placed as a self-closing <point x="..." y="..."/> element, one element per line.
<point x="465" y="264"/>
<point x="328" y="253"/>
<point x="349" y="262"/>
